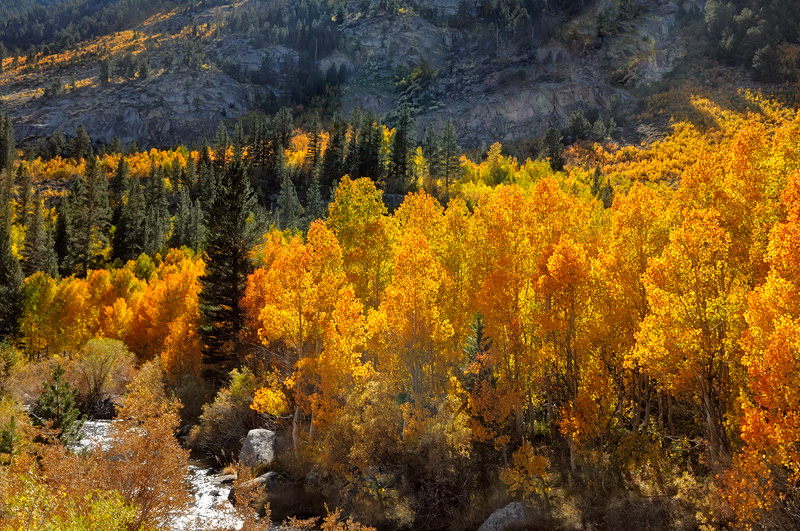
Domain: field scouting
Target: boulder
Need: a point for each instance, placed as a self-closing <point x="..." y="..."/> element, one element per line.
<point x="225" y="479"/>
<point x="258" y="448"/>
<point x="264" y="480"/>
<point x="509" y="517"/>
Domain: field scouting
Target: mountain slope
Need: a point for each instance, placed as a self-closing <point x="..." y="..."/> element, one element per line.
<point x="174" y="76"/>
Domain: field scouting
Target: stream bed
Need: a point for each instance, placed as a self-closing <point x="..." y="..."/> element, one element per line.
<point x="210" y="508"/>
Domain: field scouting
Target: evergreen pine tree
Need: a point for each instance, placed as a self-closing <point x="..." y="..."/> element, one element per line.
<point x="282" y="127"/>
<point x="105" y="72"/>
<point x="10" y="438"/>
<point x="430" y="150"/>
<point x="316" y="208"/>
<point x="81" y="145"/>
<point x="156" y="224"/>
<point x="120" y="181"/>
<point x="196" y="228"/>
<point x="553" y="149"/>
<point x="259" y="152"/>
<point x="180" y="220"/>
<point x="11" y="279"/>
<point x="8" y="148"/>
<point x="221" y="145"/>
<point x="38" y="251"/>
<point x="91" y="217"/>
<point x="606" y="194"/>
<point x="56" y="144"/>
<point x="227" y="249"/>
<point x="187" y="223"/>
<point x="239" y="142"/>
<point x="369" y="147"/>
<point x="189" y="175"/>
<point x="25" y="204"/>
<point x="477" y="342"/>
<point x="333" y="165"/>
<point x="401" y="152"/>
<point x="260" y="158"/>
<point x="289" y="211"/>
<point x="450" y="153"/>
<point x="314" y="154"/>
<point x="6" y="197"/>
<point x="129" y="239"/>
<point x="206" y="181"/>
<point x="65" y="225"/>
<point x="352" y="163"/>
<point x="115" y="147"/>
<point x="56" y="408"/>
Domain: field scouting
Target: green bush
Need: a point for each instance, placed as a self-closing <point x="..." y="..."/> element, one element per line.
<point x="56" y="409"/>
<point x="225" y="422"/>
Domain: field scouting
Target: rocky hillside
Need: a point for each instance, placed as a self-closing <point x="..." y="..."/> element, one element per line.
<point x="201" y="69"/>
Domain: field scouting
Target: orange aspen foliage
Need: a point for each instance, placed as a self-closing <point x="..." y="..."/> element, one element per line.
<point x="766" y="474"/>
<point x="454" y="252"/>
<point x="640" y="223"/>
<point x="411" y="332"/>
<point x="307" y="305"/>
<point x="690" y="339"/>
<point x="358" y="219"/>
<point x="166" y="315"/>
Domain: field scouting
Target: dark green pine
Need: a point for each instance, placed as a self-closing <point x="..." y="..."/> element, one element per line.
<point x="333" y="165"/>
<point x="156" y="212"/>
<point x="227" y="250"/>
<point x="129" y="238"/>
<point x="449" y="153"/>
<point x="289" y="212"/>
<point x="11" y="279"/>
<point x="316" y="207"/>
<point x="38" y="250"/>
<point x="401" y="152"/>
<point x="57" y="410"/>
<point x="91" y="219"/>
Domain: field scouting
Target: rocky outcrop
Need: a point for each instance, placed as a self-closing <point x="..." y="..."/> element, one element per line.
<point x="164" y="110"/>
<point x="493" y="88"/>
<point x="258" y="448"/>
<point x="512" y="516"/>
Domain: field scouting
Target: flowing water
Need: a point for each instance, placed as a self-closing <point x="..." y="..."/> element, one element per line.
<point x="210" y="509"/>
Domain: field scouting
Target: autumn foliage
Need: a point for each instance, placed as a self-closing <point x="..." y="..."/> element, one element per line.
<point x="528" y="331"/>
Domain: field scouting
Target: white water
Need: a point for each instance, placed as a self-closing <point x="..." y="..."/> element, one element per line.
<point x="211" y="508"/>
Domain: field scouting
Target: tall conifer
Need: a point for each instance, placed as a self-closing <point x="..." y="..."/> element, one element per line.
<point x="38" y="251"/>
<point x="227" y="249"/>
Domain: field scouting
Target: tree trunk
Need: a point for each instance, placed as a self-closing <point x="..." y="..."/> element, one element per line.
<point x="296" y="427"/>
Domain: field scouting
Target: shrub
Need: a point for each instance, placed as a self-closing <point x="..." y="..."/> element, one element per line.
<point x="9" y="361"/>
<point x="29" y="503"/>
<point x="103" y="367"/>
<point x="56" y="409"/>
<point x="226" y="421"/>
<point x="144" y="462"/>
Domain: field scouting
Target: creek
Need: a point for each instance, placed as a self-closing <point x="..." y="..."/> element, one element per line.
<point x="210" y="508"/>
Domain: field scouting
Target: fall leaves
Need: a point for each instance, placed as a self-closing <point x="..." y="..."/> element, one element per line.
<point x="522" y="318"/>
<point x="154" y="309"/>
<point x="602" y="323"/>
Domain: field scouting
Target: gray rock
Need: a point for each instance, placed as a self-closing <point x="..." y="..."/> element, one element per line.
<point x="258" y="448"/>
<point x="226" y="479"/>
<point x="509" y="516"/>
<point x="264" y="480"/>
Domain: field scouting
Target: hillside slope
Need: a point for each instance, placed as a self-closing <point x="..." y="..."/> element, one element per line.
<point x="175" y="76"/>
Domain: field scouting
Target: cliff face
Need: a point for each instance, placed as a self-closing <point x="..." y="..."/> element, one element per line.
<point x="492" y="87"/>
<point x="499" y="90"/>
